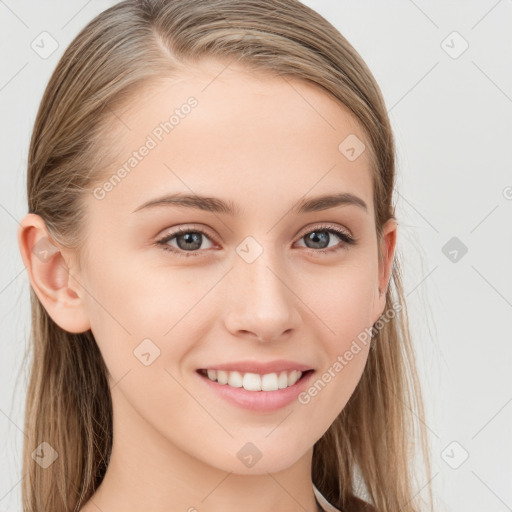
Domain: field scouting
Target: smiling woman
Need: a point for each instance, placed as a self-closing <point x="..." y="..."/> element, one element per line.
<point x="218" y="314"/>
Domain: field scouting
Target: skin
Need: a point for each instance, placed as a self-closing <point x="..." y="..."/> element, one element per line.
<point x="264" y="143"/>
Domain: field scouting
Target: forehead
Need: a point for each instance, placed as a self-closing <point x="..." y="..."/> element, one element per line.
<point x="225" y="130"/>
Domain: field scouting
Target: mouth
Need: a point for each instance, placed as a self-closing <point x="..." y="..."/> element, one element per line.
<point x="273" y="381"/>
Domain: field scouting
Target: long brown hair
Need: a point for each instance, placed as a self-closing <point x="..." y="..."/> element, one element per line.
<point x="368" y="451"/>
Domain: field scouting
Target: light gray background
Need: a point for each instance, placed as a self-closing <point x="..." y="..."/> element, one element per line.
<point x="452" y="119"/>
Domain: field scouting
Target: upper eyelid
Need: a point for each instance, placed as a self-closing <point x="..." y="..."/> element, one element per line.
<point x="185" y="229"/>
<point x="325" y="226"/>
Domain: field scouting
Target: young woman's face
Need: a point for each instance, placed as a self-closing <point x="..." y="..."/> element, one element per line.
<point x="266" y="282"/>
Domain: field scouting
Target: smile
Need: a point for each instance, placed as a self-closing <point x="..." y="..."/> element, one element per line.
<point x="254" y="381"/>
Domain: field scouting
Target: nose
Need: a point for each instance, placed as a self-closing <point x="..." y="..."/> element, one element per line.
<point x="260" y="300"/>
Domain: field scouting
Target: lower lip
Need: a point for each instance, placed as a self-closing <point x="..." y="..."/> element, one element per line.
<point x="259" y="400"/>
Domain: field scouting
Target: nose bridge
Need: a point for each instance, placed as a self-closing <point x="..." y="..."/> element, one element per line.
<point x="262" y="278"/>
<point x="262" y="301"/>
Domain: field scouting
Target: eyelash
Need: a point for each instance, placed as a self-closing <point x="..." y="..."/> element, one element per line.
<point x="346" y="239"/>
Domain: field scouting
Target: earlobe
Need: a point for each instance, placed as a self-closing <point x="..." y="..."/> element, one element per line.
<point x="50" y="276"/>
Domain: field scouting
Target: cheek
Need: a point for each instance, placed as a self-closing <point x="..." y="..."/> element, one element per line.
<point x="129" y="305"/>
<point x="341" y="299"/>
<point x="140" y="323"/>
<point x="342" y="304"/>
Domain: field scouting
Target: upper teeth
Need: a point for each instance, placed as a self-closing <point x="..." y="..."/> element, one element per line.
<point x="254" y="381"/>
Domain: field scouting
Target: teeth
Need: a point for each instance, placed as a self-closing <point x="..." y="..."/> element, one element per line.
<point x="254" y="381"/>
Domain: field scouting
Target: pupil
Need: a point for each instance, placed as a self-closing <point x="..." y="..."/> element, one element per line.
<point x="190" y="238"/>
<point x="316" y="238"/>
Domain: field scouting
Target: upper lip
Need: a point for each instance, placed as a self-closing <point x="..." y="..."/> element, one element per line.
<point x="259" y="367"/>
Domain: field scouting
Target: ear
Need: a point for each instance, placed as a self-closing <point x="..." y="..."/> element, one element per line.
<point x="50" y="276"/>
<point x="386" y="257"/>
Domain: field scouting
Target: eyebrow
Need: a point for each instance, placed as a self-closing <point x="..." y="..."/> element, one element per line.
<point x="217" y="205"/>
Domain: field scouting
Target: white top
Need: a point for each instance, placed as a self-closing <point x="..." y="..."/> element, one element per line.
<point x="323" y="503"/>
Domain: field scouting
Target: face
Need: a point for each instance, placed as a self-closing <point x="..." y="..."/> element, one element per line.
<point x="268" y="281"/>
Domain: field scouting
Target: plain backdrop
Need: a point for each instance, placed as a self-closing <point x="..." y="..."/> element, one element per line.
<point x="446" y="75"/>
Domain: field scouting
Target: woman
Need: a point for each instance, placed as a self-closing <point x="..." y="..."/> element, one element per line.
<point x="218" y="315"/>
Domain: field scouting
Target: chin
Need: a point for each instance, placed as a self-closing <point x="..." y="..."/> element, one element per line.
<point x="250" y="458"/>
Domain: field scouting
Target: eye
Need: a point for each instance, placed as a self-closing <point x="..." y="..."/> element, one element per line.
<point x="186" y="238"/>
<point x="320" y="235"/>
